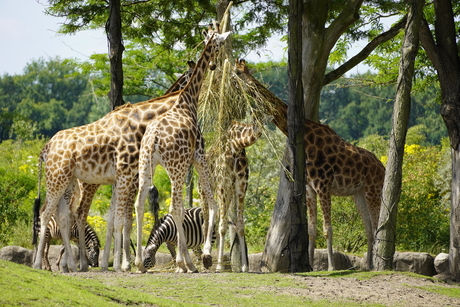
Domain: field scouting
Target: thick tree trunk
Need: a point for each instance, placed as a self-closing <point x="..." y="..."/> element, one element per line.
<point x="444" y="55"/>
<point x="454" y="248"/>
<point x="286" y="248"/>
<point x="384" y="246"/>
<point x="116" y="48"/>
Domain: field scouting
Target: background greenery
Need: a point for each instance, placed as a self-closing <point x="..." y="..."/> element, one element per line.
<point x="54" y="94"/>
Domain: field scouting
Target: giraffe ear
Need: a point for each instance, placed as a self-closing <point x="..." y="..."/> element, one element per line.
<point x="224" y="36"/>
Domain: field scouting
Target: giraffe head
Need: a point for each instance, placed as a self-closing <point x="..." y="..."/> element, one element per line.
<point x="212" y="36"/>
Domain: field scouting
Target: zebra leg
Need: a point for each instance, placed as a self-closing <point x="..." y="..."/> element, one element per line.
<point x="172" y="250"/>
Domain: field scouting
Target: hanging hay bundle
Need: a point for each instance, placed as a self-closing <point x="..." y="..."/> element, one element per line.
<point x="226" y="97"/>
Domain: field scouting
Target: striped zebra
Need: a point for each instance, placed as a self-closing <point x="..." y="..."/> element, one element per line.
<point x="91" y="242"/>
<point x="165" y="231"/>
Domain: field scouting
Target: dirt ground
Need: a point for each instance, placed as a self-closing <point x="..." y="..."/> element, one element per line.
<point x="387" y="290"/>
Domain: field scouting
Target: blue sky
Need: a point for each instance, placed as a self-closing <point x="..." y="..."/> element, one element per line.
<point x="26" y="33"/>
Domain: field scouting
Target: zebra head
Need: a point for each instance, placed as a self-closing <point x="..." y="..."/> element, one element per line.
<point x="149" y="256"/>
<point x="93" y="255"/>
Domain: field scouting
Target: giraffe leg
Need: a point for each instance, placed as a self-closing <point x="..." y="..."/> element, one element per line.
<point x="146" y="172"/>
<point x="127" y="227"/>
<point x="64" y="223"/>
<point x="122" y="192"/>
<point x="224" y="203"/>
<point x="183" y="260"/>
<point x="312" y="222"/>
<point x="109" y="233"/>
<point x="87" y="192"/>
<point x="241" y="191"/>
<point x="360" y="202"/>
<point x="325" y="200"/>
<point x="209" y="205"/>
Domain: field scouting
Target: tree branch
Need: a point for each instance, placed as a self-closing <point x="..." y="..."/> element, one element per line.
<point x="428" y="43"/>
<point x="363" y="54"/>
<point x="346" y="18"/>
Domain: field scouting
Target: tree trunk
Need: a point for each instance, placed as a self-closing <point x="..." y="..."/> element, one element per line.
<point x="444" y="55"/>
<point x="286" y="248"/>
<point x="384" y="246"/>
<point x="116" y="48"/>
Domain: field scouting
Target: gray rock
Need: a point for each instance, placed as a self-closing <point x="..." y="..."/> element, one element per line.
<point x="341" y="261"/>
<point x="441" y="263"/>
<point x="17" y="254"/>
<point x="420" y="263"/>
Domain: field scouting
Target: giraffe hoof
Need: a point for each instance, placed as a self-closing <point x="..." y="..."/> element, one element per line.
<point x="207" y="261"/>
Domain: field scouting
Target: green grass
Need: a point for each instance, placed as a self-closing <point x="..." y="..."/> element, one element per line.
<point x="23" y="286"/>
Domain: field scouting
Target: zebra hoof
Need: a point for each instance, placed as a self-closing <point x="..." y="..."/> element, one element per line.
<point x="207" y="261"/>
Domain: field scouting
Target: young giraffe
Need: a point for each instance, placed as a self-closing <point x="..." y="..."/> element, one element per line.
<point x="334" y="167"/>
<point x="234" y="184"/>
<point x="103" y="152"/>
<point x="174" y="141"/>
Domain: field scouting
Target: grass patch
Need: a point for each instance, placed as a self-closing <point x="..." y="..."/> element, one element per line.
<point x="22" y="285"/>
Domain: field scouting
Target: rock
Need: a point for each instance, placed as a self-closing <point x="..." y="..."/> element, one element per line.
<point x="17" y="254"/>
<point x="441" y="263"/>
<point x="255" y="262"/>
<point x="420" y="263"/>
<point x="341" y="261"/>
<point x="53" y="255"/>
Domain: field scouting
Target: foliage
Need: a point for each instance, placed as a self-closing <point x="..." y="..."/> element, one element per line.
<point x="18" y="177"/>
<point x="50" y="96"/>
<point x="264" y="166"/>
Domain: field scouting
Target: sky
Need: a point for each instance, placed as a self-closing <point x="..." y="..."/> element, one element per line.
<point x="27" y="34"/>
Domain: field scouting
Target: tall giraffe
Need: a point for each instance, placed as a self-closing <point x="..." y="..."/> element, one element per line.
<point x="334" y="167"/>
<point x="103" y="152"/>
<point x="174" y="141"/>
<point x="88" y="191"/>
<point x="234" y="183"/>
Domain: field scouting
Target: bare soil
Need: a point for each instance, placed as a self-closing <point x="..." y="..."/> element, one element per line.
<point x="394" y="289"/>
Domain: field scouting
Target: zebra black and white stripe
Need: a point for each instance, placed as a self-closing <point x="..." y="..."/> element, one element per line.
<point x="92" y="243"/>
<point x="165" y="231"/>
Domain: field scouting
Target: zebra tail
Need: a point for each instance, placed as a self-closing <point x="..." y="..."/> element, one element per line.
<point x="36" y="209"/>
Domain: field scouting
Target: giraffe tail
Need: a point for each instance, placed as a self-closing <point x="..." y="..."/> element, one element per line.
<point x="153" y="197"/>
<point x="36" y="209"/>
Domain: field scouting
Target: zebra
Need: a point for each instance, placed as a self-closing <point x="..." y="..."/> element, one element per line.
<point x="165" y="231"/>
<point x="91" y="239"/>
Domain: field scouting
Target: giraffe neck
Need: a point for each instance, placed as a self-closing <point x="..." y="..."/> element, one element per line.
<point x="193" y="87"/>
<point x="243" y="135"/>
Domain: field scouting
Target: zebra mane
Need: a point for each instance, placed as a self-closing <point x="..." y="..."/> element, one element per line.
<point x="159" y="224"/>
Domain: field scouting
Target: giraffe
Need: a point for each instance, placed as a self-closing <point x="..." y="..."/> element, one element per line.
<point x="174" y="141"/>
<point x="103" y="152"/>
<point x="88" y="191"/>
<point x="234" y="184"/>
<point x="334" y="167"/>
